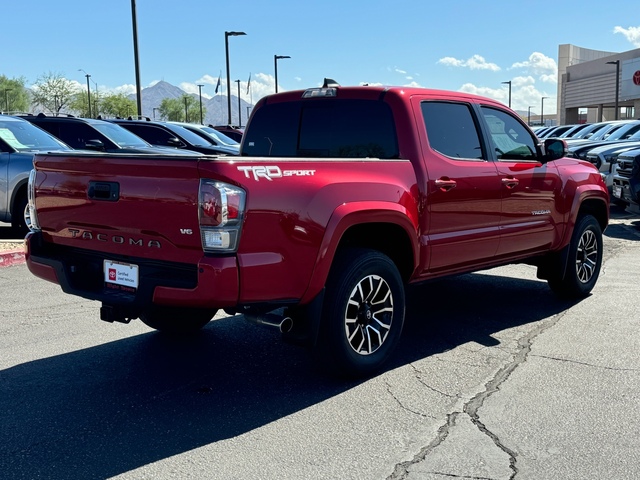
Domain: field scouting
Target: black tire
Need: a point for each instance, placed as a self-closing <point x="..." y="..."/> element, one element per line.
<point x="176" y="320"/>
<point x="584" y="259"/>
<point x="362" y="315"/>
<point x="18" y="222"/>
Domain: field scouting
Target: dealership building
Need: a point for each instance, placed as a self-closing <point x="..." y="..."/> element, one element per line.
<point x="596" y="81"/>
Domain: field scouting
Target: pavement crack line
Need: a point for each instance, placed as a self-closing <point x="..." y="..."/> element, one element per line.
<point x="602" y="367"/>
<point x="402" y="469"/>
<point x="471" y="408"/>
<point x="418" y="373"/>
<point x="404" y="407"/>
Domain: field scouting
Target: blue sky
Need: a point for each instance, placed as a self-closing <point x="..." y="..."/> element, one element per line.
<point x="456" y="45"/>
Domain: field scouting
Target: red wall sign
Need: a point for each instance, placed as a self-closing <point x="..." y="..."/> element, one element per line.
<point x="636" y="77"/>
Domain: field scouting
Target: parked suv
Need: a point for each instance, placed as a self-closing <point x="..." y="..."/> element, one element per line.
<point x="94" y="134"/>
<point x="19" y="142"/>
<point x="626" y="180"/>
<point x="167" y="134"/>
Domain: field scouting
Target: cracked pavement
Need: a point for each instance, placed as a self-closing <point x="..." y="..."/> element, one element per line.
<point x="565" y="405"/>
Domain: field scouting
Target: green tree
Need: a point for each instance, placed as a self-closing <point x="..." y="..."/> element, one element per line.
<point x="14" y="96"/>
<point x="53" y="92"/>
<point x="117" y="106"/>
<point x="183" y="109"/>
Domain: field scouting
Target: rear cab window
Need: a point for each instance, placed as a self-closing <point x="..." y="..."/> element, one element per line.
<point x="325" y="128"/>
<point x="452" y="130"/>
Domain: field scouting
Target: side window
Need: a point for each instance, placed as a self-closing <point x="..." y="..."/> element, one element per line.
<point x="451" y="130"/>
<point x="153" y="135"/>
<point x="510" y="139"/>
<point x="77" y="135"/>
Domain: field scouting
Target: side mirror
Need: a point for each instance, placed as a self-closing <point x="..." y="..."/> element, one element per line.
<point x="94" y="145"/>
<point x="554" y="149"/>
<point x="174" y="142"/>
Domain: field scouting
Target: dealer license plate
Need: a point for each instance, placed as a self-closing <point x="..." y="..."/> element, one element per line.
<point x="121" y="276"/>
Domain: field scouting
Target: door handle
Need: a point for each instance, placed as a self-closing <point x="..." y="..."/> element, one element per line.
<point x="445" y="184"/>
<point x="510" y="182"/>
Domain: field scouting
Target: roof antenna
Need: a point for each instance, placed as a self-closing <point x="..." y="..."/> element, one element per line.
<point x="330" y="82"/>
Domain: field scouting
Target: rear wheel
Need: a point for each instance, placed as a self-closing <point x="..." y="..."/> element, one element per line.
<point x="363" y="313"/>
<point x="584" y="259"/>
<point x="175" y="319"/>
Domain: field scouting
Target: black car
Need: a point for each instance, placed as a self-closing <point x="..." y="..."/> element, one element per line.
<point x="94" y="134"/>
<point x="168" y="134"/>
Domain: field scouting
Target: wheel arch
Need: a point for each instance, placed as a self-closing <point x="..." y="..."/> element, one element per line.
<point x="587" y="201"/>
<point x="385" y="227"/>
<point x="19" y="190"/>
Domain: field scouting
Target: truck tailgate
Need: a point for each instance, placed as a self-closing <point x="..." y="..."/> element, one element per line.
<point x="132" y="205"/>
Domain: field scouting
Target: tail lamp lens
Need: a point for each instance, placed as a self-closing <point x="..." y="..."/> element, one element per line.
<point x="221" y="211"/>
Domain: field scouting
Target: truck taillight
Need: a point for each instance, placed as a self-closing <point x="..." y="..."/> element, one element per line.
<point x="30" y="215"/>
<point x="221" y="211"/>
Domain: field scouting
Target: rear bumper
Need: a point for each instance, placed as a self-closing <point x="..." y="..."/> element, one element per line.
<point x="212" y="283"/>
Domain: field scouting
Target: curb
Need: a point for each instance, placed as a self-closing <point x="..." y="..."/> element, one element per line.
<point x="12" y="257"/>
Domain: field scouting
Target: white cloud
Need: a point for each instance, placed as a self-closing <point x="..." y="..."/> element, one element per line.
<point x="538" y="64"/>
<point x="192" y="88"/>
<point x="401" y="72"/>
<point x="209" y="80"/>
<point x="126" y="89"/>
<point x="524" y="96"/>
<point x="632" y="34"/>
<point x="550" y="78"/>
<point x="476" y="62"/>
<point x="522" y="81"/>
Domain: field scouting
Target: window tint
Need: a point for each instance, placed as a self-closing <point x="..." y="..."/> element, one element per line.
<point x="330" y="128"/>
<point x="153" y="135"/>
<point x="451" y="130"/>
<point x="78" y="134"/>
<point x="510" y="139"/>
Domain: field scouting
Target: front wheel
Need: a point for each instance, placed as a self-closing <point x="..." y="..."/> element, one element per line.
<point x="584" y="259"/>
<point x="362" y="315"/>
<point x="175" y="319"/>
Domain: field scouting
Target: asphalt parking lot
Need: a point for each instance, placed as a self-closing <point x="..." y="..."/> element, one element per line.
<point x="494" y="379"/>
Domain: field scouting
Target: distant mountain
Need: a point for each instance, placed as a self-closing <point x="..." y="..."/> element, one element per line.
<point x="216" y="107"/>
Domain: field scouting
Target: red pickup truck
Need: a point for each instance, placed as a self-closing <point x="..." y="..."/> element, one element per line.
<point x="341" y="197"/>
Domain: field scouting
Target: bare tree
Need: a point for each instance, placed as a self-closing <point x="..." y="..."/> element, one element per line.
<point x="52" y="91"/>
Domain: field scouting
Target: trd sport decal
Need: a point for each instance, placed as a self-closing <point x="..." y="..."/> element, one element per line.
<point x="271" y="172"/>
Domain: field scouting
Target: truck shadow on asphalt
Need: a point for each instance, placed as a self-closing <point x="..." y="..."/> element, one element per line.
<point x="109" y="409"/>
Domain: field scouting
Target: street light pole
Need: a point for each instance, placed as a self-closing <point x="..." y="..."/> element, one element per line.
<point x="542" y="111"/>
<point x="509" y="82"/>
<point x="226" y="51"/>
<point x="135" y="57"/>
<point x="529" y="116"/>
<point x="186" y="110"/>
<point x="200" y="93"/>
<point x="88" y="92"/>
<point x="154" y="112"/>
<point x="275" y="65"/>
<point x="239" y="111"/>
<point x="617" y="64"/>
